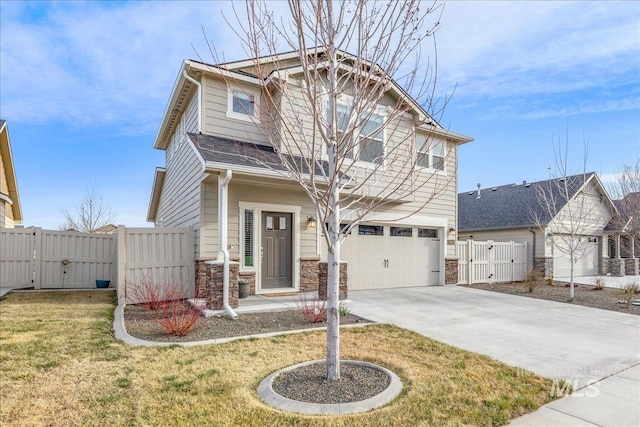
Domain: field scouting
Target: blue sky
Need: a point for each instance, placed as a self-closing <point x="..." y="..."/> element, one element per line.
<point x="83" y="86"/>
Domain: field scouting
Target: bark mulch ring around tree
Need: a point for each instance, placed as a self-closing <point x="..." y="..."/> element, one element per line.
<point x="141" y="323"/>
<point x="585" y="295"/>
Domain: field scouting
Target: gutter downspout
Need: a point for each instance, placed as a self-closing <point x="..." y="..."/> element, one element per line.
<point x="223" y="202"/>
<point x="534" y="247"/>
<point x="197" y="83"/>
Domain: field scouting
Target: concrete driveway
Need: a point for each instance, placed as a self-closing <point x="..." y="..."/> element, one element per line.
<point x="593" y="349"/>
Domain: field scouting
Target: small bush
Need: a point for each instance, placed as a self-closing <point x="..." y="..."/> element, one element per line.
<point x="178" y="318"/>
<point x="598" y="284"/>
<point x="628" y="292"/>
<point x="532" y="279"/>
<point x="167" y="300"/>
<point x="343" y="309"/>
<point x="550" y="281"/>
<point x="314" y="310"/>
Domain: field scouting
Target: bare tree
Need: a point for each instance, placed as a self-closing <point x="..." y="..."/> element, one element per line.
<point x="567" y="211"/>
<point x="327" y="119"/>
<point x="626" y="189"/>
<point x="90" y="215"/>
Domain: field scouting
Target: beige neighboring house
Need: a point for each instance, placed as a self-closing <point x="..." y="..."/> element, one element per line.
<point x="507" y="213"/>
<point x="10" y="211"/>
<point x="272" y="230"/>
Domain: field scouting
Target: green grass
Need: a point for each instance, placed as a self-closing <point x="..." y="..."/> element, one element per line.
<point x="62" y="367"/>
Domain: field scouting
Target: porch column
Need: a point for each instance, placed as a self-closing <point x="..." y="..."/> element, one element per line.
<point x="617" y="240"/>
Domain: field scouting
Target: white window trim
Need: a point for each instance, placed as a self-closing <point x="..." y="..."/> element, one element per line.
<point x="241" y="116"/>
<point x="258" y="208"/>
<point x="381" y="111"/>
<point x="430" y="168"/>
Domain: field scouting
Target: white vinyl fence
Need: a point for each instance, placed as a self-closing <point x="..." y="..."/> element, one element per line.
<point x="491" y="262"/>
<point x="47" y="259"/>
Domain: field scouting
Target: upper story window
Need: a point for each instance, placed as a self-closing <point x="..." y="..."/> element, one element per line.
<point x="242" y="104"/>
<point x="430" y="153"/>
<point x="368" y="143"/>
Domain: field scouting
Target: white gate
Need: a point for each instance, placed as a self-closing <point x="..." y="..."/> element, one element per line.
<point x="16" y="256"/>
<point x="489" y="262"/>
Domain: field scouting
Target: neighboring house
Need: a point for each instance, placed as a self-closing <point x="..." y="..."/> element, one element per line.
<point x="509" y="212"/>
<point x="207" y="131"/>
<point x="10" y="212"/>
<point x="623" y="232"/>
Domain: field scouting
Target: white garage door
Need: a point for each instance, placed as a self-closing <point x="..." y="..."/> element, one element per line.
<point x="400" y="257"/>
<point x="586" y="258"/>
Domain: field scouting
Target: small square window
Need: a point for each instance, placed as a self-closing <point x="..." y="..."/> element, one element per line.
<point x="243" y="103"/>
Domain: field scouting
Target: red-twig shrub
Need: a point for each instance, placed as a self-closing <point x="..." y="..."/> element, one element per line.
<point x="152" y="294"/>
<point x="178" y="317"/>
<point x="313" y="310"/>
<point x="167" y="301"/>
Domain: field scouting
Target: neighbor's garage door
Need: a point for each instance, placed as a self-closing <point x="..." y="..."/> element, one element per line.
<point x="586" y="258"/>
<point x="383" y="256"/>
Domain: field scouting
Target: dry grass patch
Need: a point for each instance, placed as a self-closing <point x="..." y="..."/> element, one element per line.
<point x="82" y="376"/>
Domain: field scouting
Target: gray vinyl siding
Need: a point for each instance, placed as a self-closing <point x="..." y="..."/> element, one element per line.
<point x="179" y="204"/>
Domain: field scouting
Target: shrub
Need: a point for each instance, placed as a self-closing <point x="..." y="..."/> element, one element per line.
<point x="598" y="284"/>
<point x="532" y="279"/>
<point x="313" y="310"/>
<point x="153" y="294"/>
<point x="178" y="317"/>
<point x="628" y="292"/>
<point x="550" y="281"/>
<point x="343" y="309"/>
<point x="168" y="302"/>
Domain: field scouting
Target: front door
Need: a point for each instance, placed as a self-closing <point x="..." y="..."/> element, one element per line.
<point x="277" y="252"/>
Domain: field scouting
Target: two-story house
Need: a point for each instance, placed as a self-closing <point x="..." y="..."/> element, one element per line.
<point x="10" y="212"/>
<point x="210" y="124"/>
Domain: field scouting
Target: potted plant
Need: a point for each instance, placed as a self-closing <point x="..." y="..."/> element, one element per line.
<point x="243" y="288"/>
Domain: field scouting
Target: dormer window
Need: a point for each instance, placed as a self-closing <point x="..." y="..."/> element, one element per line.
<point x="242" y="104"/>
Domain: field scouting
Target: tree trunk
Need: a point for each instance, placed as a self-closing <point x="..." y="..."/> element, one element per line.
<point x="333" y="286"/>
<point x="571" y="291"/>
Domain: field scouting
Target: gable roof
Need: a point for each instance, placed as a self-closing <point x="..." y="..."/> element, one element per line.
<point x="183" y="88"/>
<point x="7" y="160"/>
<point x="628" y="213"/>
<point x="515" y="206"/>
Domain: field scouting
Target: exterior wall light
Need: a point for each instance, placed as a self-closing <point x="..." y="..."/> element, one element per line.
<point x="452" y="233"/>
<point x="311" y="222"/>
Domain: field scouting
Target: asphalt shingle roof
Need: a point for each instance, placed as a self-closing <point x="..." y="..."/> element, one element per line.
<point x="241" y="153"/>
<point x="510" y="206"/>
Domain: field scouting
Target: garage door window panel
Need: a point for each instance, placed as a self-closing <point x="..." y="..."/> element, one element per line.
<point x="401" y="231"/>
<point x="370" y="230"/>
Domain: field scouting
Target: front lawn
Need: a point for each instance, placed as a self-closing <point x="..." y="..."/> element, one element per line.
<point x="59" y="366"/>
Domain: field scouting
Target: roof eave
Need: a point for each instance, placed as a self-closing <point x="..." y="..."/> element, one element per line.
<point x="12" y="182"/>
<point x="156" y="191"/>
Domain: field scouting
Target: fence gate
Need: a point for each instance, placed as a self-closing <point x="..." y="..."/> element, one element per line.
<point x="491" y="262"/>
<point x="48" y="259"/>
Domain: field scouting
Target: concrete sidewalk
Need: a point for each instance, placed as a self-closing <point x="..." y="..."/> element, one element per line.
<point x="596" y="351"/>
<point x="6" y="289"/>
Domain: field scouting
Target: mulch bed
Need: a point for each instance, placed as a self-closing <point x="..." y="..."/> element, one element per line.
<point x="310" y="384"/>
<point x="140" y="323"/>
<point x="585" y="295"/>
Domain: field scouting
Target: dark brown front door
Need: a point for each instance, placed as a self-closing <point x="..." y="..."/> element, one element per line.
<point x="276" y="250"/>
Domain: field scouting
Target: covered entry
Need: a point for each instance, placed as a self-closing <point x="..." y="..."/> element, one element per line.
<point x="392" y="256"/>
